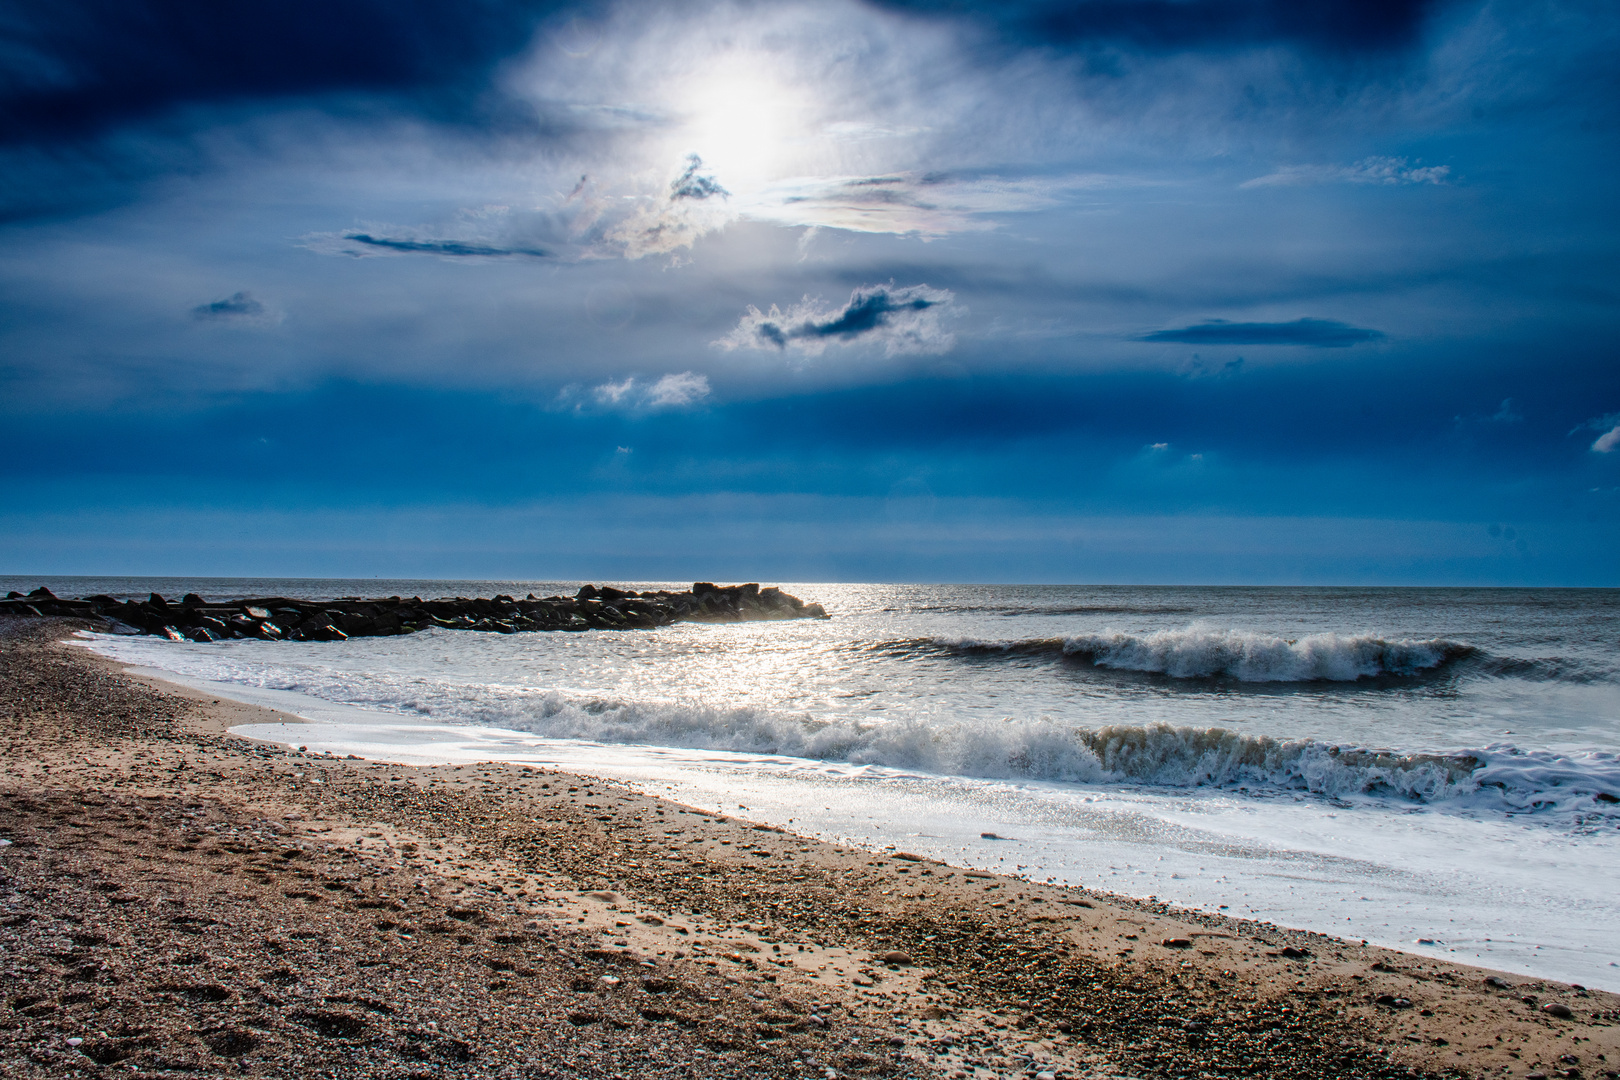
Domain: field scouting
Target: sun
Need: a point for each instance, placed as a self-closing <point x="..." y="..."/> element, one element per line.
<point x="743" y="121"/>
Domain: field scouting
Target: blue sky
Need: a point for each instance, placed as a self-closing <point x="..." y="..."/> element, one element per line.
<point x="1107" y="290"/>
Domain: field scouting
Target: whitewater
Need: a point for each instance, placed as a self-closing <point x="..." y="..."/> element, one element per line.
<point x="1434" y="770"/>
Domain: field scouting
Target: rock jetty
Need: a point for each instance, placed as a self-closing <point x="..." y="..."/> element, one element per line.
<point x="278" y="618"/>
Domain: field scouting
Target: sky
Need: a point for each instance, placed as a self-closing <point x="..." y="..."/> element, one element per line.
<point x="1139" y="291"/>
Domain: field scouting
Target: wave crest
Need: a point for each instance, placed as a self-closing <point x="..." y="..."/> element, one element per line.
<point x="1194" y="653"/>
<point x="1251" y="657"/>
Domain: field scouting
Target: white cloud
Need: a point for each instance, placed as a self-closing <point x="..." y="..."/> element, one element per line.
<point x="906" y="319"/>
<point x="677" y="390"/>
<point x="1372" y="170"/>
<point x="1608" y="441"/>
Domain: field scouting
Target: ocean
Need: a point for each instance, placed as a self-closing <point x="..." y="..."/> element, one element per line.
<point x="1436" y="770"/>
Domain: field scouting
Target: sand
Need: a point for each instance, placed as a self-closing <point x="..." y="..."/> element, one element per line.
<point x="182" y="901"/>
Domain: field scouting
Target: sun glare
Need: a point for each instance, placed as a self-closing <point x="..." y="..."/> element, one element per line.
<point x="743" y="122"/>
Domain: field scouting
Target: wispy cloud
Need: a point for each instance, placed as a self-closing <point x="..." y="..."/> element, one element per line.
<point x="453" y="248"/>
<point x="904" y="320"/>
<point x="693" y="205"/>
<point x="1609" y="440"/>
<point x="1506" y="413"/>
<point x="677" y="390"/>
<point x="1373" y="170"/>
<point x="240" y="308"/>
<point x="1317" y="333"/>
<point x="636" y="217"/>
<point x="1608" y="427"/>
<point x="914" y="204"/>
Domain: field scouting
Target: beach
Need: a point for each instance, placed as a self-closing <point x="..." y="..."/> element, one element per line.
<point x="178" y="900"/>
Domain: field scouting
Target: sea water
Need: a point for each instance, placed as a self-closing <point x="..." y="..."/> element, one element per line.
<point x="1431" y="769"/>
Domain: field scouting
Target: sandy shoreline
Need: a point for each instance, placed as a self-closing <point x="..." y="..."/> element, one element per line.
<point x="497" y="920"/>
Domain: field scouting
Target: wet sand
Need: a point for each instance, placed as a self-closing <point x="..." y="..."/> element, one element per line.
<point x="183" y="901"/>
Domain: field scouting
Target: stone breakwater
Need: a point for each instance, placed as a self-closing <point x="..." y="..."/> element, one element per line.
<point x="278" y="618"/>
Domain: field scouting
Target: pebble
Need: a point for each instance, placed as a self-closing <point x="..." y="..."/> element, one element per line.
<point x="896" y="958"/>
<point x="1558" y="1009"/>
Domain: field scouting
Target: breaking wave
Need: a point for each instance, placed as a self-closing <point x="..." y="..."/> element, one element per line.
<point x="1499" y="777"/>
<point x="1248" y="657"/>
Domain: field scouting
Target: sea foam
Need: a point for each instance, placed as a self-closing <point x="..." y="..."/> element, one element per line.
<point x="1496" y="778"/>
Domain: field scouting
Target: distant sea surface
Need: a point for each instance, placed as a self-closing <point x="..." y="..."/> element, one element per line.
<point x="1437" y="769"/>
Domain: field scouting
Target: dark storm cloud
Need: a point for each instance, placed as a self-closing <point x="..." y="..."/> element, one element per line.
<point x="239" y="305"/>
<point x="78" y="68"/>
<point x="1326" y="26"/>
<point x="454" y="248"/>
<point x="1318" y="333"/>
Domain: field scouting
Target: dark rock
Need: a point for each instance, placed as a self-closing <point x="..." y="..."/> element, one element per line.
<point x="107" y="1051"/>
<point x="275" y="618"/>
<point x="231" y="1042"/>
<point x="1558" y="1009"/>
<point x="333" y="1025"/>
